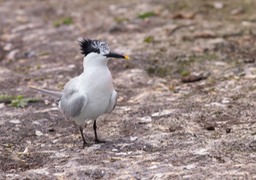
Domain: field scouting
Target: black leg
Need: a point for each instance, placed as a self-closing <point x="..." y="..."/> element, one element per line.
<point x="95" y="133"/>
<point x="82" y="134"/>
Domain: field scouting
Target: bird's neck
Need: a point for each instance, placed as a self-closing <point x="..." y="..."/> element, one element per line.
<point x="90" y="63"/>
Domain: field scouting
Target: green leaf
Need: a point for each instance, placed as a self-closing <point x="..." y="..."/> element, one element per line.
<point x="146" y="15"/>
<point x="63" y="21"/>
<point x="19" y="101"/>
<point x="149" y="39"/>
<point x="67" y="21"/>
<point x="185" y="73"/>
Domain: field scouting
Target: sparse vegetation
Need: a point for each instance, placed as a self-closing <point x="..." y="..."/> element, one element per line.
<point x="16" y="101"/>
<point x="185" y="73"/>
<point x="19" y="101"/>
<point x="147" y="15"/>
<point x="149" y="39"/>
<point x="158" y="71"/>
<point x="120" y="19"/>
<point x="63" y="21"/>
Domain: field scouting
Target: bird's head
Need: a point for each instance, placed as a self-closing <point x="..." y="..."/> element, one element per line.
<point x="98" y="49"/>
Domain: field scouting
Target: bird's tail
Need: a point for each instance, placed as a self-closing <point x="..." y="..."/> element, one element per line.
<point x="56" y="94"/>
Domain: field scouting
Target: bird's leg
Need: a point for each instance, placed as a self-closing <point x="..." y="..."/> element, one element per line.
<point x="95" y="133"/>
<point x="82" y="134"/>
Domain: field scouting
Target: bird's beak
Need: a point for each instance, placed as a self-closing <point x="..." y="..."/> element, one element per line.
<point x="115" y="55"/>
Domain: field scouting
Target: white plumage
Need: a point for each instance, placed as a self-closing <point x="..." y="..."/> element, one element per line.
<point x="91" y="94"/>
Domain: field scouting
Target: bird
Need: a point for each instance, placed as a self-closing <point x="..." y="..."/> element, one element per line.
<point x="91" y="94"/>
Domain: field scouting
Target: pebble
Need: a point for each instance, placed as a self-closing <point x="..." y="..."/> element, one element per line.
<point x="2" y="105"/>
<point x="39" y="133"/>
<point x="8" y="47"/>
<point x="218" y="5"/>
<point x="162" y="113"/>
<point x="15" y="121"/>
<point x="145" y="120"/>
<point x="133" y="138"/>
<point x="12" y="55"/>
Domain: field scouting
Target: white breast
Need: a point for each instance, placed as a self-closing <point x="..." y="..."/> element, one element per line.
<point x="97" y="84"/>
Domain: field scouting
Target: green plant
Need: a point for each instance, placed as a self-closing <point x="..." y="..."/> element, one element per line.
<point x="19" y="101"/>
<point x="149" y="39"/>
<point x="146" y="15"/>
<point x="63" y="21"/>
<point x="16" y="101"/>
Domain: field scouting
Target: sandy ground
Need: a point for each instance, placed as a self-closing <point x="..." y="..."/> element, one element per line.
<point x="186" y="106"/>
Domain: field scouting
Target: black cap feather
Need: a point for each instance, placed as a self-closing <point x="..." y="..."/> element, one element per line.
<point x="87" y="46"/>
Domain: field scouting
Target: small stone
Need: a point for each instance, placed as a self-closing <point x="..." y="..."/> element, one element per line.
<point x="25" y="151"/>
<point x="51" y="130"/>
<point x="202" y="151"/>
<point x="133" y="138"/>
<point x="162" y="113"/>
<point x="145" y="120"/>
<point x="198" y="49"/>
<point x="193" y="78"/>
<point x="8" y="47"/>
<point x="237" y="11"/>
<point x="29" y="54"/>
<point x="210" y="128"/>
<point x="115" y="150"/>
<point x="117" y="29"/>
<point x="72" y="66"/>
<point x="39" y="133"/>
<point x="215" y="104"/>
<point x="252" y="145"/>
<point x="15" y="121"/>
<point x="46" y="102"/>
<point x="247" y="23"/>
<point x="225" y="101"/>
<point x="2" y="105"/>
<point x="217" y="41"/>
<point x="191" y="166"/>
<point x="228" y="130"/>
<point x="21" y="19"/>
<point x="205" y="34"/>
<point x="172" y="129"/>
<point x="249" y="60"/>
<point x="218" y="5"/>
<point x="184" y="15"/>
<point x="12" y="55"/>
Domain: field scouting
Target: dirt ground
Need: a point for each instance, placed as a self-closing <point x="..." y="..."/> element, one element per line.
<point x="187" y="97"/>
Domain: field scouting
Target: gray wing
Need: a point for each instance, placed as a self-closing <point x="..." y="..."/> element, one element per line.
<point x="72" y="102"/>
<point x="112" y="102"/>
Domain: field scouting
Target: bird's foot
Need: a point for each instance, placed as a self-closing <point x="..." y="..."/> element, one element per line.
<point x="97" y="141"/>
<point x="85" y="144"/>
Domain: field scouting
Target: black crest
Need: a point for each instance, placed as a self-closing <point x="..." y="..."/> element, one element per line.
<point x="87" y="46"/>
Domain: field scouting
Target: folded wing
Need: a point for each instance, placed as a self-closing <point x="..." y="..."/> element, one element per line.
<point x="112" y="102"/>
<point x="73" y="101"/>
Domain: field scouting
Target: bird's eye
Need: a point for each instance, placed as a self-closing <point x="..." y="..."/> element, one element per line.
<point x="104" y="48"/>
